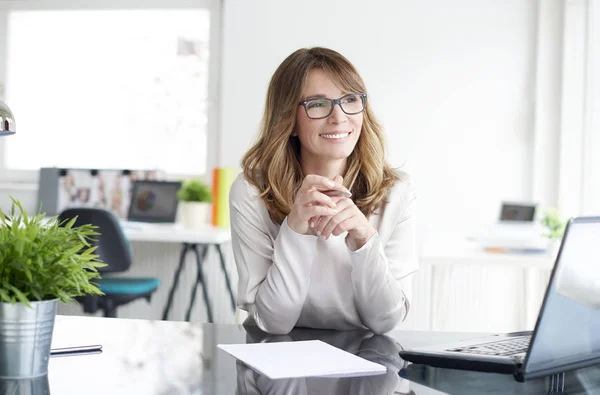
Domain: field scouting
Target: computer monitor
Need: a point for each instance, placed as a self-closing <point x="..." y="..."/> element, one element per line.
<point x="517" y="212"/>
<point x="154" y="201"/>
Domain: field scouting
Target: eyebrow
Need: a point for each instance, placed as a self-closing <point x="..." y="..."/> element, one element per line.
<point x="322" y="96"/>
<point x="316" y="96"/>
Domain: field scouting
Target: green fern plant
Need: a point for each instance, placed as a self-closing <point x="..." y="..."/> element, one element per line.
<point x="194" y="191"/>
<point x="42" y="259"/>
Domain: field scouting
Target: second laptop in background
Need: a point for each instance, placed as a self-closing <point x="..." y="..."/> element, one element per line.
<point x="154" y="202"/>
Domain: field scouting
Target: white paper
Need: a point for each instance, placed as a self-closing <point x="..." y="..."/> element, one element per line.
<point x="312" y="358"/>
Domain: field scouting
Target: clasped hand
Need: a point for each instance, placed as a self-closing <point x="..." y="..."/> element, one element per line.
<point x="316" y="213"/>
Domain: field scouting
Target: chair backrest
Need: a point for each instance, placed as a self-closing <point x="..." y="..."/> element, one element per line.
<point x="113" y="247"/>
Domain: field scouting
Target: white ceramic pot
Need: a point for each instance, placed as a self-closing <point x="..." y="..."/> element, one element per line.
<point x="195" y="215"/>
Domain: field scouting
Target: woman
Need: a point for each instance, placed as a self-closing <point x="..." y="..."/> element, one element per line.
<point x="307" y="254"/>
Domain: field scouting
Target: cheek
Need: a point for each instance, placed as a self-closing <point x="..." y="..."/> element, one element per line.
<point x="357" y="123"/>
<point x="306" y="127"/>
<point x="301" y="121"/>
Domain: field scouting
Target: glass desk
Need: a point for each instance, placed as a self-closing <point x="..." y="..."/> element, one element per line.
<point x="160" y="357"/>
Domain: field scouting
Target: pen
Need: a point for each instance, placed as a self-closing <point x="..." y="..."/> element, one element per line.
<point x="79" y="350"/>
<point x="337" y="193"/>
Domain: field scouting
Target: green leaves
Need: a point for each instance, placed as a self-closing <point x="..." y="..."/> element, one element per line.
<point x="41" y="260"/>
<point x="194" y="191"/>
<point x="554" y="224"/>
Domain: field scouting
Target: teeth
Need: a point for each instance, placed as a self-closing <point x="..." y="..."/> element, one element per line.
<point x="335" y="136"/>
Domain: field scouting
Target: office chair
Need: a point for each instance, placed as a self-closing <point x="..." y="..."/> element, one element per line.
<point x="113" y="249"/>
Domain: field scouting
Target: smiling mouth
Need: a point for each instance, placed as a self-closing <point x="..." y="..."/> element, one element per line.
<point x="335" y="136"/>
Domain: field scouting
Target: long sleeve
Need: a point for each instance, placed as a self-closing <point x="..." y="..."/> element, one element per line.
<point x="382" y="269"/>
<point x="274" y="275"/>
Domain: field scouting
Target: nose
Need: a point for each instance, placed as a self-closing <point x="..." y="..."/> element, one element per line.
<point x="337" y="115"/>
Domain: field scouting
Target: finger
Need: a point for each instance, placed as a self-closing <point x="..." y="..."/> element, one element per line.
<point x="338" y="179"/>
<point x="336" y="193"/>
<point x="312" y="198"/>
<point x="338" y="199"/>
<point x="314" y="211"/>
<point x="341" y="206"/>
<point x="335" y="221"/>
<point x="316" y="198"/>
<point x="316" y="180"/>
<point x="313" y="181"/>
<point x="344" y="226"/>
<point x="314" y="221"/>
<point x="318" y="222"/>
<point x="323" y="221"/>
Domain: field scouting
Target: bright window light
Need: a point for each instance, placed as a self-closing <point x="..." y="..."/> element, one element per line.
<point x="108" y="89"/>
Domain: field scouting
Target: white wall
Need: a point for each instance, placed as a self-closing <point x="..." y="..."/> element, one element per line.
<point x="452" y="82"/>
<point x="469" y="92"/>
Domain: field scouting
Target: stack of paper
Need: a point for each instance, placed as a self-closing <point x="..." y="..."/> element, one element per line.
<point x="312" y="358"/>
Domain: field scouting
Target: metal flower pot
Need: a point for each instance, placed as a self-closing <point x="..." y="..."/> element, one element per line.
<point x="25" y="338"/>
<point x="37" y="386"/>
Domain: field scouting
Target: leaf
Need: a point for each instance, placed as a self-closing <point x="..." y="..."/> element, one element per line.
<point x="42" y="259"/>
<point x="28" y="274"/>
<point x="4" y="296"/>
<point x="20" y="295"/>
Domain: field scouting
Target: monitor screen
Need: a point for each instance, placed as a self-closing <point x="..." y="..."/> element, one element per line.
<point x="568" y="328"/>
<point x="517" y="212"/>
<point x="154" y="201"/>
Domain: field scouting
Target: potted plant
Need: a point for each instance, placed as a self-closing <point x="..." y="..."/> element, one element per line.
<point x="554" y="227"/>
<point x="195" y="197"/>
<point x="42" y="262"/>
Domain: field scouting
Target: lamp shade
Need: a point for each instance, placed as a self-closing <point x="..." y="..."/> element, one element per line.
<point x="7" y="120"/>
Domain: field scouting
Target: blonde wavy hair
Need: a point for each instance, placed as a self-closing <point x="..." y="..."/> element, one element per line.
<point x="272" y="165"/>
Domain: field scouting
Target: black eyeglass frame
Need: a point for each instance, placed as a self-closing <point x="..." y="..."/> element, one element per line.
<point x="363" y="97"/>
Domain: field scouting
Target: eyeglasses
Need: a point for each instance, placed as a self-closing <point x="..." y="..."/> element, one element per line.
<point x="319" y="108"/>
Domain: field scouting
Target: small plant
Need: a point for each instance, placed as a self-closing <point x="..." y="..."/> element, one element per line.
<point x="194" y="191"/>
<point x="554" y="224"/>
<point x="43" y="259"/>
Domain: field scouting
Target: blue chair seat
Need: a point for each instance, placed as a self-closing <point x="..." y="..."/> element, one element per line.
<point x="114" y="249"/>
<point x="130" y="286"/>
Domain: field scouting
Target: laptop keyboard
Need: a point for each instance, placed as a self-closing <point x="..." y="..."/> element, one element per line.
<point x="507" y="347"/>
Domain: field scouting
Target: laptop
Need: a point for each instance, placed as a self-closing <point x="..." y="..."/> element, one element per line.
<point x="153" y="202"/>
<point x="567" y="332"/>
<point x="517" y="212"/>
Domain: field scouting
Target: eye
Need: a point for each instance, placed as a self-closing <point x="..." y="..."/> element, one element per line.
<point x="315" y="104"/>
<point x="350" y="99"/>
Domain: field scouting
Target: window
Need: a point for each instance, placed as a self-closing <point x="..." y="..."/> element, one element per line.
<point x="108" y="88"/>
<point x="591" y="165"/>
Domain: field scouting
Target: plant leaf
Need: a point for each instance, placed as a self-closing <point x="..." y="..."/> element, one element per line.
<point x="20" y="295"/>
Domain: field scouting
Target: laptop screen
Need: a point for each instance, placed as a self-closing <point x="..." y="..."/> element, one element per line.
<point x="568" y="328"/>
<point x="154" y="201"/>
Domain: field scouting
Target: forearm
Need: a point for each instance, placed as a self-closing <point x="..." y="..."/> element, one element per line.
<point x="380" y="298"/>
<point x="282" y="294"/>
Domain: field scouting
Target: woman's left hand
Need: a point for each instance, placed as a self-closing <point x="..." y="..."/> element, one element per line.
<point x="348" y="219"/>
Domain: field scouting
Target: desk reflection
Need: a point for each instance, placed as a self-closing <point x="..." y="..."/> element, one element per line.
<point x="376" y="348"/>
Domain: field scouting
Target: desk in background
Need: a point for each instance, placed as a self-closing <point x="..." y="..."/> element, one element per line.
<point x="459" y="286"/>
<point x="193" y="241"/>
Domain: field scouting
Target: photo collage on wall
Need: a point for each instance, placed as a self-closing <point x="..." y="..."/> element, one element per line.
<point x="108" y="189"/>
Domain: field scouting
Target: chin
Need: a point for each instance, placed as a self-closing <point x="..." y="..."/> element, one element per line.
<point x="338" y="155"/>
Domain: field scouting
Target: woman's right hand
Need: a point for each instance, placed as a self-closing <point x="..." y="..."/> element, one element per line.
<point x="311" y="202"/>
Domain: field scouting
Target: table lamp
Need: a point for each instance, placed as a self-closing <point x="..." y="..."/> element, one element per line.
<point x="7" y="120"/>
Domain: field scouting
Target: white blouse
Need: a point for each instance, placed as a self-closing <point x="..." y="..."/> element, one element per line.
<point x="289" y="280"/>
